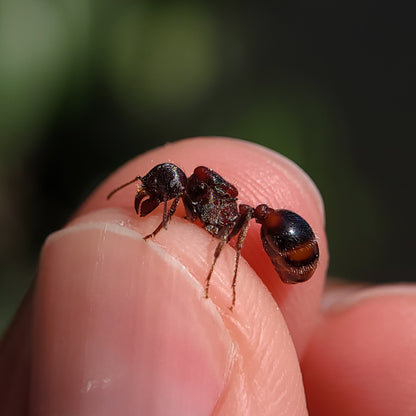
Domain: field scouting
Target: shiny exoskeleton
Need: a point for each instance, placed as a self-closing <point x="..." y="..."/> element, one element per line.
<point x="287" y="238"/>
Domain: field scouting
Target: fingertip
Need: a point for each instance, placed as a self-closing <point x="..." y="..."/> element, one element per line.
<point x="261" y="176"/>
<point x="361" y="358"/>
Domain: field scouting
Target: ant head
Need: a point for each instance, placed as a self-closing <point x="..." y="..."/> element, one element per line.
<point x="162" y="183"/>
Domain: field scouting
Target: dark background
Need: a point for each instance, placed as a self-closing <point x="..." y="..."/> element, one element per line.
<point x="86" y="85"/>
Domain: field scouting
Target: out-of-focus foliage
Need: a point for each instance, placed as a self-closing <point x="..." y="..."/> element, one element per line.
<point x="86" y="85"/>
<point x="156" y="56"/>
<point x="42" y="45"/>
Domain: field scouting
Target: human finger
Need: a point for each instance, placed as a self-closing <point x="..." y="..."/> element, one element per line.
<point x="361" y="358"/>
<point x="261" y="176"/>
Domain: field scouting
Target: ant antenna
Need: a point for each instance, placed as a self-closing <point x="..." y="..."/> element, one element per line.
<point x="123" y="186"/>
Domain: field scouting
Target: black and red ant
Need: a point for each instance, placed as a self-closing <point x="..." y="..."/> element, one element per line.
<point x="287" y="238"/>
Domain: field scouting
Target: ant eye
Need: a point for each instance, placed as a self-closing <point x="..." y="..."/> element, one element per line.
<point x="290" y="243"/>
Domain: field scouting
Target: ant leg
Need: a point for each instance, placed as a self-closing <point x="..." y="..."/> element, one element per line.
<point x="172" y="210"/>
<point x="216" y="255"/>
<point x="241" y="237"/>
<point x="166" y="217"/>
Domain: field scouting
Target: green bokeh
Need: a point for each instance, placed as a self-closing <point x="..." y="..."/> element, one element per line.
<point x="162" y="59"/>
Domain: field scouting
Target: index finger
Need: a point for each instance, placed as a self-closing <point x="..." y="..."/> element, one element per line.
<point x="261" y="176"/>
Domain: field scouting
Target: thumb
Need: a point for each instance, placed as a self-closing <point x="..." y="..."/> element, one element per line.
<point x="121" y="327"/>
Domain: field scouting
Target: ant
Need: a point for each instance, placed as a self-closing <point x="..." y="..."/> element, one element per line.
<point x="287" y="238"/>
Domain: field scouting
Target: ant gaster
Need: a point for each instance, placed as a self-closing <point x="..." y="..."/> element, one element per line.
<point x="287" y="238"/>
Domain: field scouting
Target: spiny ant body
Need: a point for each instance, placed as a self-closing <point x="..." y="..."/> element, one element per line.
<point x="287" y="238"/>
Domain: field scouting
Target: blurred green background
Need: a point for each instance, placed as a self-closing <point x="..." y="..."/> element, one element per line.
<point x="86" y="85"/>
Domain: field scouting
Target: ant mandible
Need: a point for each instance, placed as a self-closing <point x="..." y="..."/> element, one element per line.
<point x="287" y="238"/>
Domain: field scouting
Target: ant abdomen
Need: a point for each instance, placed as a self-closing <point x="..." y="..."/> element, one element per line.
<point x="289" y="242"/>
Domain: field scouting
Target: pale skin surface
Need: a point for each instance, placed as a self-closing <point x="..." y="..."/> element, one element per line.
<point x="117" y="325"/>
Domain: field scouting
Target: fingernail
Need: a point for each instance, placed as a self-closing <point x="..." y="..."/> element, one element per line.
<point x="119" y="328"/>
